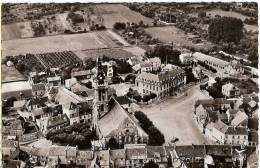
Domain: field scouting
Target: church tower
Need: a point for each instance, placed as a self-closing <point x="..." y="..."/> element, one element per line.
<point x="100" y="83"/>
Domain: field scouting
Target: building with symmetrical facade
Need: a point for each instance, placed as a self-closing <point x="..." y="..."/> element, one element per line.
<point x="162" y="84"/>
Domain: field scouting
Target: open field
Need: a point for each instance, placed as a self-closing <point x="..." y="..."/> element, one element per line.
<point x="173" y="118"/>
<point x="171" y="34"/>
<point x="112" y="13"/>
<point x="74" y="42"/>
<point x="10" y="74"/>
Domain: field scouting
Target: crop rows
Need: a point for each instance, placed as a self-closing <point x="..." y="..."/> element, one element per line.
<point x="58" y="59"/>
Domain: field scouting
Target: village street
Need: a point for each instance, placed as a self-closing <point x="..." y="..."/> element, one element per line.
<point x="173" y="117"/>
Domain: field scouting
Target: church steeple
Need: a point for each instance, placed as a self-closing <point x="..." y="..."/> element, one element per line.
<point x="100" y="83"/>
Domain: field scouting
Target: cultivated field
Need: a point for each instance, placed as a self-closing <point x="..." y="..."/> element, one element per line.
<point x="74" y="42"/>
<point x="10" y="74"/>
<point x="119" y="13"/>
<point x="58" y="59"/>
<point x="172" y="34"/>
<point x="116" y="53"/>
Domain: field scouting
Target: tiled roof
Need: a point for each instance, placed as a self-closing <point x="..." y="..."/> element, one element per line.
<point x="9" y="143"/>
<point x="163" y="76"/>
<point x="55" y="78"/>
<point x="239" y="118"/>
<point x="68" y="151"/>
<point x="190" y="151"/>
<point x="19" y="103"/>
<point x="81" y="73"/>
<point x="66" y="97"/>
<point x="38" y="87"/>
<point x="57" y="120"/>
<point x="222" y="127"/>
<point x="204" y="57"/>
<point x="35" y="151"/>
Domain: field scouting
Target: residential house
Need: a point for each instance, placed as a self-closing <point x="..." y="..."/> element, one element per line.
<point x="82" y="75"/>
<point x="146" y="66"/>
<point x="221" y="133"/>
<point x="240" y="119"/>
<point x="118" y="158"/>
<point x="47" y="124"/>
<point x="38" y="89"/>
<point x="230" y="91"/>
<point x="162" y="84"/>
<point x="54" y="81"/>
<point x="36" y="102"/>
<point x="47" y="111"/>
<point x="158" y="155"/>
<point x="72" y="106"/>
<point x="136" y="155"/>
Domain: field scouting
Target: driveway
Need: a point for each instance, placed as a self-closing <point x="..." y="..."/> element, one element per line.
<point x="174" y="117"/>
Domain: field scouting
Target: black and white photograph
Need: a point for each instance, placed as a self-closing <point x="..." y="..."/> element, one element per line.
<point x="129" y="84"/>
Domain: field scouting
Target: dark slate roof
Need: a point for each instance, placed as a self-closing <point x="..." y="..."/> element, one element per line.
<point x="123" y="100"/>
<point x="237" y="131"/>
<point x="38" y="86"/>
<point x="253" y="136"/>
<point x="37" y="101"/>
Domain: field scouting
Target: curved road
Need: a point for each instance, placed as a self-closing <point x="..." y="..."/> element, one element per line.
<point x="174" y="117"/>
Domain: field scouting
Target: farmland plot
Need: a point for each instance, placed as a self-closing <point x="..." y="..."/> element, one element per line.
<point x="73" y="42"/>
<point x="110" y="52"/>
<point x="58" y="59"/>
<point x="119" y="13"/>
<point x="172" y="34"/>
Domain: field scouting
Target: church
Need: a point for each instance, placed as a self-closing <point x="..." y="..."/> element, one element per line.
<point x="109" y="118"/>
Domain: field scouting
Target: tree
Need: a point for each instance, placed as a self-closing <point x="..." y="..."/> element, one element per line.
<point x="146" y="98"/>
<point x="151" y="164"/>
<point x="166" y="53"/>
<point x="226" y="29"/>
<point x="202" y="14"/>
<point x="119" y="26"/>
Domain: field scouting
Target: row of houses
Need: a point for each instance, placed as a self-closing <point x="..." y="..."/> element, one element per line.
<point x="223" y="124"/>
<point x="136" y="155"/>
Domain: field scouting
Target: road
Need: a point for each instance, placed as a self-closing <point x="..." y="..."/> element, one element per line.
<point x="173" y="117"/>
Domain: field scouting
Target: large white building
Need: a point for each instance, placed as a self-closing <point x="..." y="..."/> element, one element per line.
<point x="162" y="84"/>
<point x="233" y="68"/>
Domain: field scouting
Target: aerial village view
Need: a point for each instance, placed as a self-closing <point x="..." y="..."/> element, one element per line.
<point x="129" y="85"/>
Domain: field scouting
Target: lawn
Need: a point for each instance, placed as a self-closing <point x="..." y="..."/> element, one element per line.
<point x="172" y="34"/>
<point x="10" y="74"/>
<point x="119" y="13"/>
<point x="73" y="42"/>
